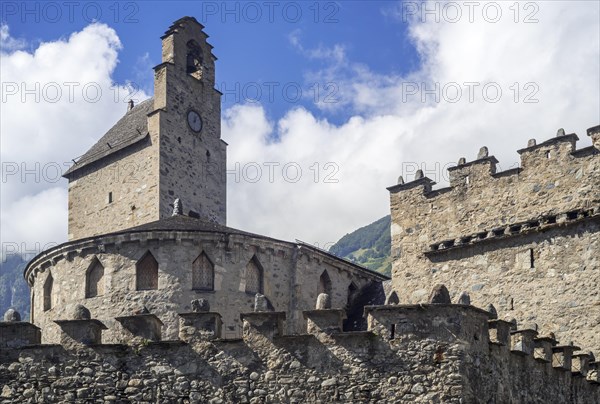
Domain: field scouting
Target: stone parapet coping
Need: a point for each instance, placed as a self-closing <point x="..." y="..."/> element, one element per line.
<point x="516" y="229"/>
<point x="98" y="244"/>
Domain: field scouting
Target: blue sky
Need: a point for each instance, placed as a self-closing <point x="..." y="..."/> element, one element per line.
<point x="251" y="40"/>
<point x="401" y="88"/>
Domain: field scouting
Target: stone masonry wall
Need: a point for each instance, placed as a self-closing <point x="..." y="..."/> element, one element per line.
<point x="131" y="176"/>
<point x="172" y="162"/>
<point x="290" y="278"/>
<point x="438" y="353"/>
<point x="192" y="165"/>
<point x="526" y="240"/>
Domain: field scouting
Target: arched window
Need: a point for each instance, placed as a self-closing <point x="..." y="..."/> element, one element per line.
<point x="325" y="283"/>
<point x="194" y="59"/>
<point x="94" y="279"/>
<point x="254" y="276"/>
<point x="48" y="286"/>
<point x="203" y="273"/>
<point x="146" y="273"/>
<point x="32" y="307"/>
<point x="393" y="298"/>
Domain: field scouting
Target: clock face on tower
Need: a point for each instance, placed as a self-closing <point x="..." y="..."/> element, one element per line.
<point x="194" y="121"/>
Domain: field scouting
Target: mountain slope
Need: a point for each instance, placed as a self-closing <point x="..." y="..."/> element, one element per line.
<point x="14" y="292"/>
<point x="368" y="246"/>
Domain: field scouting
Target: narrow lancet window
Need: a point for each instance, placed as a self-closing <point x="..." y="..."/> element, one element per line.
<point x="203" y="273"/>
<point x="254" y="276"/>
<point x="146" y="273"/>
<point x="48" y="290"/>
<point x="95" y="279"/>
<point x="325" y="283"/>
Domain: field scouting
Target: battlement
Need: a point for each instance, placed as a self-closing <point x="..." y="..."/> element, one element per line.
<point x="508" y="237"/>
<point x="437" y="351"/>
<point x="551" y="157"/>
<point x="555" y="185"/>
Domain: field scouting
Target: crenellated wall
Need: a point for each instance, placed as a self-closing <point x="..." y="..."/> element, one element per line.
<point x="411" y="353"/>
<point x="526" y="240"/>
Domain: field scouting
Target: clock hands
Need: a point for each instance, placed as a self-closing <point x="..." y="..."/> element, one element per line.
<point x="195" y="121"/>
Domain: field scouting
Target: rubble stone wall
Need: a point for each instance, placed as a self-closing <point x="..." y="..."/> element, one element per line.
<point x="438" y="353"/>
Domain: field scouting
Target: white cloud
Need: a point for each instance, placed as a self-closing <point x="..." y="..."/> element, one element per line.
<point x="559" y="56"/>
<point x="35" y="222"/>
<point x="336" y="55"/>
<point x="56" y="100"/>
<point x="8" y="43"/>
<point x="365" y="154"/>
<point x="143" y="74"/>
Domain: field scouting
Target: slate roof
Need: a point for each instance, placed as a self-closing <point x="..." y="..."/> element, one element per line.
<point x="187" y="223"/>
<point x="130" y="129"/>
<point x="191" y="224"/>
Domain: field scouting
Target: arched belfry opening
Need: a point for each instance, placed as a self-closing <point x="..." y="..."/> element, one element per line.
<point x="203" y="273"/>
<point x="194" y="60"/>
<point x="94" y="279"/>
<point x="146" y="273"/>
<point x="254" y="276"/>
<point x="325" y="283"/>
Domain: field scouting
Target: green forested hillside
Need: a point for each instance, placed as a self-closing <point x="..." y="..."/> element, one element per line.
<point x="368" y="246"/>
<point x="14" y="291"/>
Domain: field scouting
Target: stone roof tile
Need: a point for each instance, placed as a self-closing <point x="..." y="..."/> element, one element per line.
<point x="130" y="129"/>
<point x="186" y="223"/>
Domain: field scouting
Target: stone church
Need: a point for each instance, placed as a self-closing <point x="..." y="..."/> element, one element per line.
<point x="147" y="219"/>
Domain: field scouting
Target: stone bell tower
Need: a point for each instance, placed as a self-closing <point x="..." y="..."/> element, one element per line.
<point x="187" y="110"/>
<point x="164" y="148"/>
